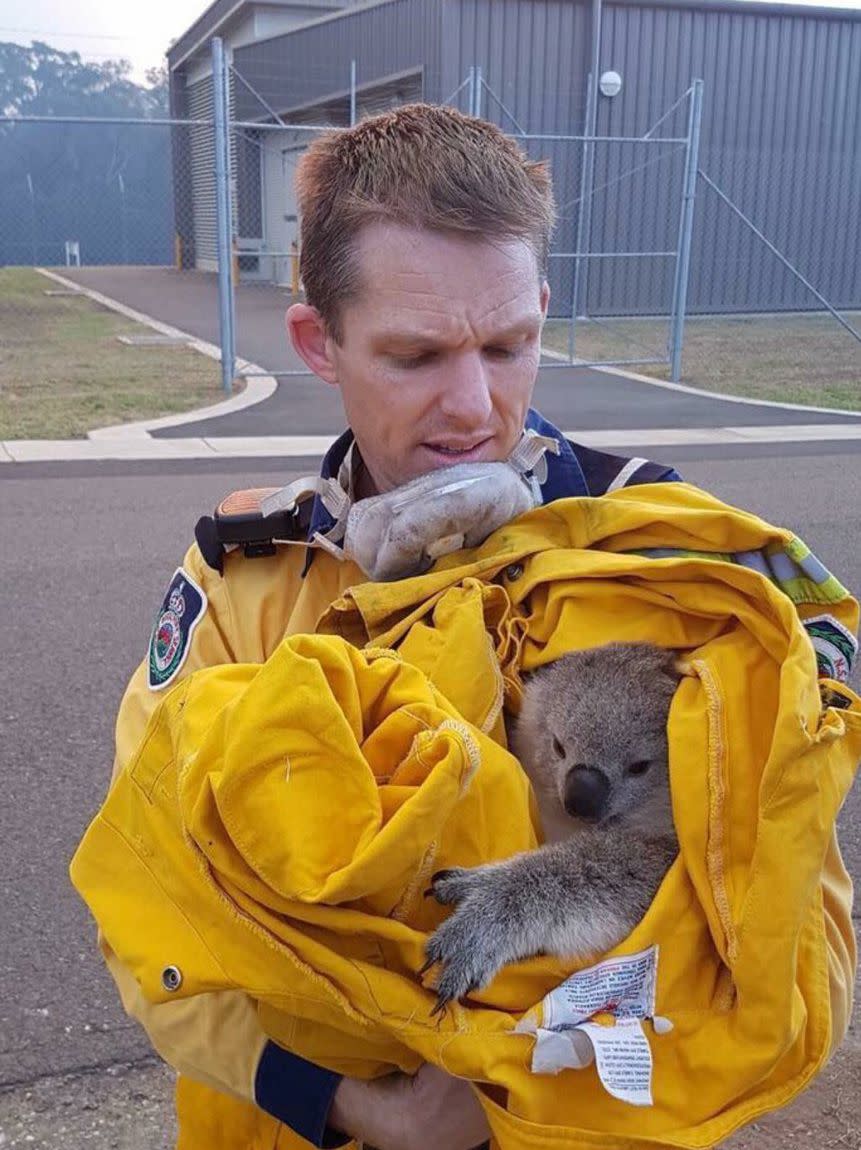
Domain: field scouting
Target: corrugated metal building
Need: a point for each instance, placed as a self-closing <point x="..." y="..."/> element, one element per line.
<point x="781" y="130"/>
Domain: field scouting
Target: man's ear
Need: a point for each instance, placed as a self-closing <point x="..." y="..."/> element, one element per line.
<point x="545" y="299"/>
<point x="307" y="333"/>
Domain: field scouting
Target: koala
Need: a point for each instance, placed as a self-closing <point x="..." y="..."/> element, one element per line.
<point x="592" y="737"/>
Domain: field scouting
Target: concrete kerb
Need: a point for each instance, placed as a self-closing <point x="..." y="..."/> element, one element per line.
<point x="683" y="387"/>
<point x="143" y="447"/>
<point x="637" y="377"/>
<point x="256" y="389"/>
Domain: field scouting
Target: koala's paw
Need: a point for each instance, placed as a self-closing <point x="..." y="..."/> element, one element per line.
<point x="478" y="938"/>
<point x="464" y="965"/>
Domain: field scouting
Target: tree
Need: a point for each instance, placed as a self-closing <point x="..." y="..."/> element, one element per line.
<point x="106" y="185"/>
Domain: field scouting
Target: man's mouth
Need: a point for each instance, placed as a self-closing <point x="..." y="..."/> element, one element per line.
<point x="474" y="450"/>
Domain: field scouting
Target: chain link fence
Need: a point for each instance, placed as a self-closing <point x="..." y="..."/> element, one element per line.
<point x="609" y="257"/>
<point x="657" y="240"/>
<point x="90" y="203"/>
<point x="104" y="188"/>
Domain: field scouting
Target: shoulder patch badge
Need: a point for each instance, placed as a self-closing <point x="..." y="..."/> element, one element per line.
<point x="181" y="610"/>
<point x="835" y="647"/>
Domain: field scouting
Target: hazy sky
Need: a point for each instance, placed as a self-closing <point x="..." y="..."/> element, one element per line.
<point x="141" y="32"/>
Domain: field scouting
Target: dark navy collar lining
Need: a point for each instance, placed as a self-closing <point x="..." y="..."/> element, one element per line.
<point x="565" y="475"/>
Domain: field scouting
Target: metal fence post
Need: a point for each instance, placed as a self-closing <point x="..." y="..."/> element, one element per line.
<point x="224" y="228"/>
<point x="683" y="258"/>
<point x="587" y="186"/>
<point x="478" y="82"/>
<point x="32" y="217"/>
<point x="352" y="93"/>
<point x="580" y="282"/>
<point x="123" y="224"/>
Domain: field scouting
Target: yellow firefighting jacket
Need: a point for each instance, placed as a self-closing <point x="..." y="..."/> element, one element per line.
<point x="273" y="832"/>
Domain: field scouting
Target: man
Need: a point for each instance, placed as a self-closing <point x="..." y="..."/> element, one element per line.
<point x="425" y="238"/>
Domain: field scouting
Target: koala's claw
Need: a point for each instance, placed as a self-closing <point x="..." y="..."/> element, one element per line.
<point x="441" y="1006"/>
<point x="452" y="988"/>
<point x="451" y="886"/>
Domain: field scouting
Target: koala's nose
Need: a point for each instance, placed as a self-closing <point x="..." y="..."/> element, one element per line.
<point x="586" y="791"/>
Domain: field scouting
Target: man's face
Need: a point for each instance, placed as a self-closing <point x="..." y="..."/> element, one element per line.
<point x="439" y="350"/>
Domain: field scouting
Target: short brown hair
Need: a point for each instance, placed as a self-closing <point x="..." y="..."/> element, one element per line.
<point x="422" y="166"/>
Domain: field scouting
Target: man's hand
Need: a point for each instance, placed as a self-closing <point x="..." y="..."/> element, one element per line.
<point x="399" y="1112"/>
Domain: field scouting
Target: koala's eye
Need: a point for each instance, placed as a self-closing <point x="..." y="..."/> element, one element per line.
<point x="558" y="749"/>
<point x="638" y="768"/>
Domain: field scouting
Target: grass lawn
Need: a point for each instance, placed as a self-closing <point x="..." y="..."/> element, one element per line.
<point x="63" y="371"/>
<point x="794" y="358"/>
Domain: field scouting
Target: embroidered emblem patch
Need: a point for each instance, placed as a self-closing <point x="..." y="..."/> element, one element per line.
<point x="835" y="646"/>
<point x="182" y="609"/>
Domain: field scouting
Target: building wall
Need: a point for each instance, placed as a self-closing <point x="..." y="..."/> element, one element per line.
<point x="781" y="129"/>
<point x="534" y="57"/>
<point x="230" y="19"/>
<point x="312" y="65"/>
<point x="781" y="136"/>
<point x="180" y="141"/>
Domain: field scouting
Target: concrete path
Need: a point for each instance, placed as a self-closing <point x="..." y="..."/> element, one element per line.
<point x="572" y="397"/>
<point x="297" y="417"/>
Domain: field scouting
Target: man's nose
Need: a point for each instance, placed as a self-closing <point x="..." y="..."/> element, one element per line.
<point x="586" y="792"/>
<point x="466" y="396"/>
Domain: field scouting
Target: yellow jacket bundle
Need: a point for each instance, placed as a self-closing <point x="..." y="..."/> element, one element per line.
<point x="278" y="825"/>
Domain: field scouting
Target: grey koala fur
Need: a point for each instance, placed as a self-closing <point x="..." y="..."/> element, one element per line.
<point x="592" y="736"/>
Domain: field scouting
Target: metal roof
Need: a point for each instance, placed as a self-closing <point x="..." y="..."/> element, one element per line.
<point x="749" y="7"/>
<point x="213" y="19"/>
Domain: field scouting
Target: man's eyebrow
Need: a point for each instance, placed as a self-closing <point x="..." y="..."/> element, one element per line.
<point x="523" y="326"/>
<point x="408" y="339"/>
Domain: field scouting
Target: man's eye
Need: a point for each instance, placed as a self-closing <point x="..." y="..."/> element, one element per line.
<point x="411" y="361"/>
<point x="501" y="353"/>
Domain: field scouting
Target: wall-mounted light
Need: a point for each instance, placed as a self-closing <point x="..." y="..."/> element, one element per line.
<point x="610" y="83"/>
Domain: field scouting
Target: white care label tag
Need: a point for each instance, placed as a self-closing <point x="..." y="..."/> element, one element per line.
<point x="623" y="986"/>
<point x="623" y="1059"/>
<point x="566" y="1039"/>
<point x="557" y="1050"/>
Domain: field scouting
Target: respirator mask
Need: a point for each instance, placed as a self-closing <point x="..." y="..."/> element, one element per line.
<point x="404" y="531"/>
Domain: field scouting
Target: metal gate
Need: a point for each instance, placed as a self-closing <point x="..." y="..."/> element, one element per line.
<point x="595" y="169"/>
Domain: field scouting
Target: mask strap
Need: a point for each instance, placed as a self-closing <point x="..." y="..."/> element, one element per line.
<point x="286" y="498"/>
<point x="337" y="502"/>
<point x="529" y="454"/>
